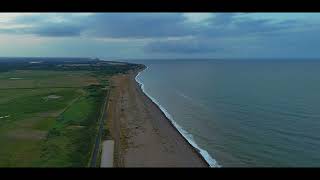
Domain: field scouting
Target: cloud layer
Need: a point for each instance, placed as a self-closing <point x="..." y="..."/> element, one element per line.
<point x="175" y="34"/>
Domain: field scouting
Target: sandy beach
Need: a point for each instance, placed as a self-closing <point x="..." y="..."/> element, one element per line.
<point x="143" y="136"/>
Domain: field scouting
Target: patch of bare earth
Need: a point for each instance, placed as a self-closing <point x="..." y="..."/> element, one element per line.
<point x="27" y="134"/>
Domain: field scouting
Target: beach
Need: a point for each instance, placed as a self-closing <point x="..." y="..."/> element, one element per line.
<point x="143" y="135"/>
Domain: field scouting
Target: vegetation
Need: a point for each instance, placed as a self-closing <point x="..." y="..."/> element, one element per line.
<point x="70" y="140"/>
<point x="49" y="111"/>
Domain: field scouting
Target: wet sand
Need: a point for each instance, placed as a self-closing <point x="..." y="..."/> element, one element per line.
<point x="143" y="136"/>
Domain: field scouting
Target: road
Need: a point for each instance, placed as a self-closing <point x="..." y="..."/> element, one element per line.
<point x="93" y="162"/>
<point x="107" y="153"/>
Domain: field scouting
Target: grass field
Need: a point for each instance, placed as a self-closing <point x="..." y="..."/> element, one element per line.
<point x="48" y="118"/>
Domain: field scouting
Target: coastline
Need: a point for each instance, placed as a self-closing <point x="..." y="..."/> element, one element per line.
<point x="203" y="154"/>
<point x="144" y="136"/>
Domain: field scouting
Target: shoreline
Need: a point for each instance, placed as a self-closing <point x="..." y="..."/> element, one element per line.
<point x="209" y="160"/>
<point x="143" y="135"/>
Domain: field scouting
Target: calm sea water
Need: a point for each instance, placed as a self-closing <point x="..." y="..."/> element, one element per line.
<point x="243" y="113"/>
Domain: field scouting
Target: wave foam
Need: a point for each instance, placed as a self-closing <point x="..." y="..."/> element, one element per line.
<point x="212" y="162"/>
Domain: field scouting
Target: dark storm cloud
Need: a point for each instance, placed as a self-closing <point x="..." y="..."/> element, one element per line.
<point x="193" y="46"/>
<point x="63" y="25"/>
<point x="112" y="25"/>
<point x="57" y="31"/>
<point x="231" y="25"/>
<point x="142" y="25"/>
<point x="138" y="25"/>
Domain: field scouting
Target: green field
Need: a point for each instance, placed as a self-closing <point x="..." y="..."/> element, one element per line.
<point x="49" y="118"/>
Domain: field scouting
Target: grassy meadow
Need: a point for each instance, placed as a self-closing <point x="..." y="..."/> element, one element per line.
<point x="49" y="118"/>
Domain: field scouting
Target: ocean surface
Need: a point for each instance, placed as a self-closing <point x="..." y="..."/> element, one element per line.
<point x="242" y="112"/>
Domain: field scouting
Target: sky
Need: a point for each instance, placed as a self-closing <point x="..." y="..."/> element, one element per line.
<point x="160" y="35"/>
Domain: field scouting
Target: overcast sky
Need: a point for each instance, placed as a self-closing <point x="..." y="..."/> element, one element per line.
<point x="161" y="35"/>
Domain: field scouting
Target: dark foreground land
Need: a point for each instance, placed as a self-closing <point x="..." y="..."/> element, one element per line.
<point x="50" y="110"/>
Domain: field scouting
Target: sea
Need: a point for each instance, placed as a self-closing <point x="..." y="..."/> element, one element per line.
<point x="241" y="113"/>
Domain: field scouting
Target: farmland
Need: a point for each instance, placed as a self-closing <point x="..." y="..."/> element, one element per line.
<point x="49" y="117"/>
